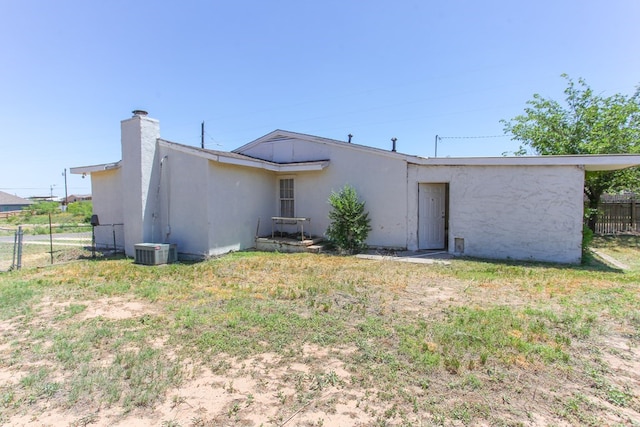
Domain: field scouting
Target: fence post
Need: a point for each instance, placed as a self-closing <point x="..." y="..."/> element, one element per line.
<point x="19" y="261"/>
<point x="50" y="238"/>
<point x="633" y="214"/>
<point x="15" y="249"/>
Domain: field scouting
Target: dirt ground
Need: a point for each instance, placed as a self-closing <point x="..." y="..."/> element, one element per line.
<point x="261" y="390"/>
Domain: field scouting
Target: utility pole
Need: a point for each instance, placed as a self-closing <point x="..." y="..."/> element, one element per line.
<point x="202" y="135"/>
<point x="437" y="138"/>
<point x="66" y="195"/>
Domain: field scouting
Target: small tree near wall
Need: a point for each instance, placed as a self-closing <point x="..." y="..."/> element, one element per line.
<point x="349" y="225"/>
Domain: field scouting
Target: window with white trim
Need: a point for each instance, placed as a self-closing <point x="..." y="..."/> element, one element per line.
<point x="286" y="198"/>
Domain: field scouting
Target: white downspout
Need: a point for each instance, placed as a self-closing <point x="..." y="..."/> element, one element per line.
<point x="157" y="207"/>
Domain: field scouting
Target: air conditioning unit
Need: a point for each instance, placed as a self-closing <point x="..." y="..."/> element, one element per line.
<point x="156" y="253"/>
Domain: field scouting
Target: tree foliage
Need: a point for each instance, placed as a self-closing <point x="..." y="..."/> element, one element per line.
<point x="349" y="225"/>
<point x="587" y="123"/>
<point x="83" y="209"/>
<point x="44" y="208"/>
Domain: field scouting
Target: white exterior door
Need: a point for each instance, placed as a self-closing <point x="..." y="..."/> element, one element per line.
<point x="431" y="216"/>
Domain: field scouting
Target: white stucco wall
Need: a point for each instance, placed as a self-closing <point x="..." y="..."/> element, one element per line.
<point x="178" y="201"/>
<point x="106" y="190"/>
<point x="205" y="207"/>
<point x="289" y="150"/>
<point x="236" y="198"/>
<point x="378" y="176"/>
<point x="139" y="136"/>
<point x="508" y="212"/>
<point x="165" y="192"/>
<point x="380" y="182"/>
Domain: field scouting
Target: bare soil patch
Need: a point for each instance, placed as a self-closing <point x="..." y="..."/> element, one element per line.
<point x="310" y="384"/>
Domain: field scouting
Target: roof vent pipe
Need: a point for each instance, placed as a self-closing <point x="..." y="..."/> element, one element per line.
<point x="140" y="113"/>
<point x="350" y="136"/>
<point x="393" y="140"/>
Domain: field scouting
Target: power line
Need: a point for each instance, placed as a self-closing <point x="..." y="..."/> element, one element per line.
<point x="212" y="139"/>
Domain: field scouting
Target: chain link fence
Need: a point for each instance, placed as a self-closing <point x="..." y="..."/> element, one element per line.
<point x="7" y="247"/>
<point x="28" y="246"/>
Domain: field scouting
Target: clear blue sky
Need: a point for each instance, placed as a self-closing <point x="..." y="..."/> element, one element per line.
<point x="71" y="70"/>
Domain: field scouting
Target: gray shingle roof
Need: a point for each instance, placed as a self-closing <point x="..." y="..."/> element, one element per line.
<point x="10" y="199"/>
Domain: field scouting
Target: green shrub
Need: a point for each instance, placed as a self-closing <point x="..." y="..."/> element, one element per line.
<point x="81" y="209"/>
<point x="44" y="208"/>
<point x="349" y="225"/>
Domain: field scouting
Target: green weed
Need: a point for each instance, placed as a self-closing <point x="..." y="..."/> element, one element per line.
<point x="16" y="297"/>
<point x="521" y="328"/>
<point x="71" y="310"/>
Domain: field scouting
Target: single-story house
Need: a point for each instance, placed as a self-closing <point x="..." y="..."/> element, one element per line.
<point x="77" y="198"/>
<point x="211" y="202"/>
<point x="10" y="202"/>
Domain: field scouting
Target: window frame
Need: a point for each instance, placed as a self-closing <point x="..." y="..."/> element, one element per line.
<point x="286" y="196"/>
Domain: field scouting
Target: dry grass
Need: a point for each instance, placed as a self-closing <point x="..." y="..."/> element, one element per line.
<point x="623" y="248"/>
<point x="273" y="339"/>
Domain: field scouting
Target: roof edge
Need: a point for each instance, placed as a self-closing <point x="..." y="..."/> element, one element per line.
<point x="239" y="159"/>
<point x="317" y="139"/>
<point x="95" y="168"/>
<point x="590" y="162"/>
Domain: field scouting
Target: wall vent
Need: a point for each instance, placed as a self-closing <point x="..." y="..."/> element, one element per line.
<point x="156" y="253"/>
<point x="458" y="245"/>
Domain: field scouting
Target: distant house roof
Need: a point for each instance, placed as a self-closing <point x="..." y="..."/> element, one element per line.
<point x="10" y="199"/>
<point x="78" y="198"/>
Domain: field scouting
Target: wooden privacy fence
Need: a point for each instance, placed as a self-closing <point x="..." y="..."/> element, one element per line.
<point x="618" y="214"/>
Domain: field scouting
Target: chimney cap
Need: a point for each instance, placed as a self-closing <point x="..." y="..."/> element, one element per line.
<point x="141" y="113"/>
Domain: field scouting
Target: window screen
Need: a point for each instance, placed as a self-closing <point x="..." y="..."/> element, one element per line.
<point x="286" y="198"/>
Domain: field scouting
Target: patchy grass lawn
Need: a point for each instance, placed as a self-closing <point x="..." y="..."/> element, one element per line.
<point x="623" y="248"/>
<point x="254" y="339"/>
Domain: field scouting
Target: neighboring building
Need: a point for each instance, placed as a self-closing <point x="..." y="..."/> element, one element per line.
<point x="212" y="202"/>
<point x="77" y="198"/>
<point x="9" y="202"/>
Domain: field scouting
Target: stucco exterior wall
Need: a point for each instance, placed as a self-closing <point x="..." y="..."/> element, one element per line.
<point x="378" y="177"/>
<point x="289" y="150"/>
<point x="209" y="203"/>
<point x="523" y="213"/>
<point x="139" y="136"/>
<point x="178" y="202"/>
<point x="106" y="190"/>
<point x="236" y="198"/>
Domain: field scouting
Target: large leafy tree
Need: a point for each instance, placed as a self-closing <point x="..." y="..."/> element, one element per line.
<point x="586" y="123"/>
